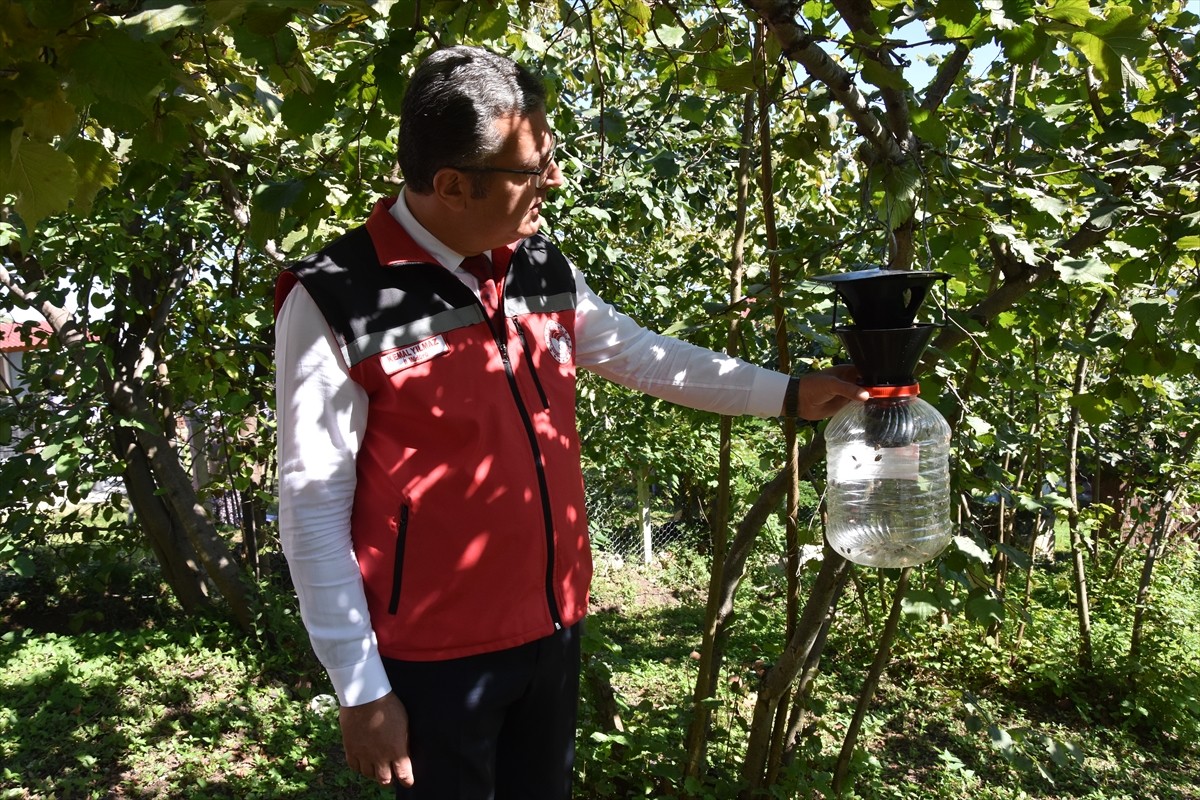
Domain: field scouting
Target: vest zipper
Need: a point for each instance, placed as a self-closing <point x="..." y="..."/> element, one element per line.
<point x="532" y="371"/>
<point x="543" y="485"/>
<point x="398" y="562"/>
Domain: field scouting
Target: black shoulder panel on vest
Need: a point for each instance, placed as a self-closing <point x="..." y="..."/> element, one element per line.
<point x="360" y="297"/>
<point x="539" y="270"/>
<point x="372" y="307"/>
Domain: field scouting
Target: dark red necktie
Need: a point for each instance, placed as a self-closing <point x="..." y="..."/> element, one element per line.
<point x="481" y="267"/>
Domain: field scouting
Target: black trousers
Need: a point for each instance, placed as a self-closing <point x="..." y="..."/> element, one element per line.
<point x="497" y="726"/>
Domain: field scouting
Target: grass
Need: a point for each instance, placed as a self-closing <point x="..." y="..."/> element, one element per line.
<point x="113" y="693"/>
<point x="956" y="715"/>
<point x="118" y="695"/>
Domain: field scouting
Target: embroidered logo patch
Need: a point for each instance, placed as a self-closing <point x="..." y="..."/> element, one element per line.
<point x="558" y="342"/>
<point x="414" y="354"/>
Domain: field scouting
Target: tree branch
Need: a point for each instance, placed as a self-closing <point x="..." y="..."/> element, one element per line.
<point x="1018" y="283"/>
<point x="798" y="46"/>
<point x="60" y="319"/>
<point x="857" y="16"/>
<point x="946" y="77"/>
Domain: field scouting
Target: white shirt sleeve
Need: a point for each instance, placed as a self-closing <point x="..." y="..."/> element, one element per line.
<point x="321" y="417"/>
<point x="614" y="346"/>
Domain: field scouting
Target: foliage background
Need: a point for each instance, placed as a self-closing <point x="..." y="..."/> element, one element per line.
<point x="161" y="160"/>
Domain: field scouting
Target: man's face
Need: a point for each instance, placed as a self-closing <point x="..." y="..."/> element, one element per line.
<point x="509" y="208"/>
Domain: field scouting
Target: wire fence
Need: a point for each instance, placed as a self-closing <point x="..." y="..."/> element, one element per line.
<point x="616" y="526"/>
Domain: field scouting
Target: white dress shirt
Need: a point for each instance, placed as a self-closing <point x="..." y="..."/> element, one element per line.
<point x="321" y="419"/>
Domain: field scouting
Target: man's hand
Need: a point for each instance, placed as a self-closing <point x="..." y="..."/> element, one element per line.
<point x="375" y="736"/>
<point x="823" y="393"/>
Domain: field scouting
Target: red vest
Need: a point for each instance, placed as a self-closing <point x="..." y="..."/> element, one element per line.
<point x="469" y="523"/>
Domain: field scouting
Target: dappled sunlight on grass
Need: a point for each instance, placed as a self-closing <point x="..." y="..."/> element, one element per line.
<point x="189" y="711"/>
<point x="957" y="714"/>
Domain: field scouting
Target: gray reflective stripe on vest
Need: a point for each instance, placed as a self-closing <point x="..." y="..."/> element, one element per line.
<point x="402" y="336"/>
<point x="565" y="301"/>
<point x="373" y="344"/>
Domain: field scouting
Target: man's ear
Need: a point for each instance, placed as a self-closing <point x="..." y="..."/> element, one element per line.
<point x="452" y="188"/>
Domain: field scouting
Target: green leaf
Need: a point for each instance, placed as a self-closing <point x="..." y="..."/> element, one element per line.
<point x="1018" y="243"/>
<point x="307" y="112"/>
<point x="275" y="197"/>
<point x="1094" y="410"/>
<point x="42" y="178"/>
<point x="160" y="19"/>
<point x="118" y="67"/>
<point x="984" y="609"/>
<point x="929" y="127"/>
<point x="1064" y="753"/>
<point x="920" y="604"/>
<point x="665" y="165"/>
<point x="494" y="24"/>
<point x="23" y="565"/>
<point x="979" y="426"/>
<point x="900" y="188"/>
<point x="968" y="546"/>
<point x="1018" y="557"/>
<point x="1149" y="312"/>
<point x="1088" y="269"/>
<point x="635" y="17"/>
<point x="1109" y="44"/>
<point x="670" y="35"/>
<point x="1018" y="11"/>
<point x="957" y="18"/>
<point x="95" y="169"/>
<point x="54" y="14"/>
<point x="1024" y="43"/>
<point x="1187" y="314"/>
<point x="1054" y="500"/>
<point x="738" y="78"/>
<point x="1075" y="12"/>
<point x="1043" y="202"/>
<point x="879" y="75"/>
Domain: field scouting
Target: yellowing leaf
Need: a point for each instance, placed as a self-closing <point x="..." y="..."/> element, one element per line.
<point x="50" y="115"/>
<point x="95" y="169"/>
<point x="42" y="178"/>
<point x="636" y="17"/>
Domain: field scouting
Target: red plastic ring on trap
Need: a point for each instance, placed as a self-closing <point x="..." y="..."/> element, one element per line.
<point x="909" y="390"/>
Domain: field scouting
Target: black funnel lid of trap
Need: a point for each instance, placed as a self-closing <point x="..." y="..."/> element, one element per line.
<point x="883" y="298"/>
<point x="886" y="356"/>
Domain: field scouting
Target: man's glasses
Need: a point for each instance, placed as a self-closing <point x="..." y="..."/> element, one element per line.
<point x="540" y="175"/>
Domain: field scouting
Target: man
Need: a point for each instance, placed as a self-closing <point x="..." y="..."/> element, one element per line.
<point x="431" y="497"/>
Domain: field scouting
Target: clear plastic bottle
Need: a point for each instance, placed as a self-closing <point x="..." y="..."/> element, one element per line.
<point x="888" y="498"/>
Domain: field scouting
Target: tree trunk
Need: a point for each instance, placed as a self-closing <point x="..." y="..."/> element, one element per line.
<point x="712" y="644"/>
<point x="1157" y="541"/>
<point x="792" y="506"/>
<point x="186" y="512"/>
<point x="175" y="555"/>
<point x="1078" y="547"/>
<point x="882" y="655"/>
<point x="164" y="501"/>
<point x="1031" y="550"/>
<point x="800" y="698"/>
<point x="1162" y="526"/>
<point x="796" y="654"/>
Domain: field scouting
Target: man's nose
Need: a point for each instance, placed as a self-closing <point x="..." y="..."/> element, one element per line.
<point x="554" y="175"/>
